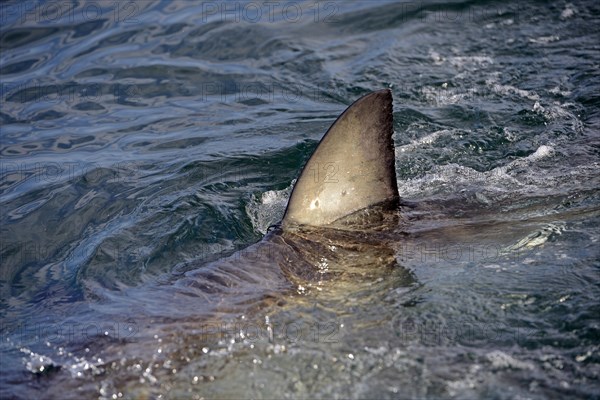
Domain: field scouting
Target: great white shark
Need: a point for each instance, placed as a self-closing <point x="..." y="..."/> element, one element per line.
<point x="341" y="215"/>
<point x="345" y="222"/>
<point x="340" y="238"/>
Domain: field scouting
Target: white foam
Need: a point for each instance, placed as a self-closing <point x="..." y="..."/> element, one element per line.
<point x="502" y="360"/>
<point x="423" y="141"/>
<point x="559" y="112"/>
<point x="452" y="178"/>
<point x="465" y="61"/>
<point x="557" y="91"/>
<point x="497" y="183"/>
<point x="568" y="12"/>
<point x="270" y="197"/>
<point x="553" y="111"/>
<point x="542" y="152"/>
<point x="443" y="96"/>
<point x="269" y="209"/>
<point x="545" y="39"/>
<point x="436" y="58"/>
<point x="508" y="89"/>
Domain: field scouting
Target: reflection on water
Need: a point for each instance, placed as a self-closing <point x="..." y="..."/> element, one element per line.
<point x="146" y="145"/>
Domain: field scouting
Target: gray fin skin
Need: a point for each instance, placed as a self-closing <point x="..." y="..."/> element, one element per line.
<point x="352" y="168"/>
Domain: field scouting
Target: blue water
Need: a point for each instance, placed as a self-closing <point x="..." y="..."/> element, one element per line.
<point x="141" y="141"/>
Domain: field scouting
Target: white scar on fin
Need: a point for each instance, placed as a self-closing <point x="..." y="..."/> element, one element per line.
<point x="351" y="169"/>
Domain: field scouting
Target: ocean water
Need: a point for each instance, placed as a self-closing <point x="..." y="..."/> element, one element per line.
<point x="143" y="143"/>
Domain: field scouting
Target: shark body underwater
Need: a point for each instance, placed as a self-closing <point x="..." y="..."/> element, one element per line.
<point x="337" y="250"/>
<point x="340" y="226"/>
<point x="343" y="229"/>
<point x="341" y="215"/>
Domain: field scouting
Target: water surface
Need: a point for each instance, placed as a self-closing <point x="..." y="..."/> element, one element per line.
<point x="142" y="141"/>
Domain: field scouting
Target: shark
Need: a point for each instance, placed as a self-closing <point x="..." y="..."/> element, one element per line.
<point x="340" y="223"/>
<point x="342" y="215"/>
<point x="338" y="247"/>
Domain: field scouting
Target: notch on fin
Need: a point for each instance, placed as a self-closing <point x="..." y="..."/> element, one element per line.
<point x="352" y="168"/>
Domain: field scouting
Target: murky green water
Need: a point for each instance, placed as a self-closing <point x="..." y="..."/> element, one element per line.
<point x="146" y="145"/>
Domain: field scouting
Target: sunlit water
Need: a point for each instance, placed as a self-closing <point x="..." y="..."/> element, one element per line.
<point x="143" y="143"/>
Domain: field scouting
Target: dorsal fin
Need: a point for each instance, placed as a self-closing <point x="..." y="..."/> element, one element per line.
<point x="351" y="169"/>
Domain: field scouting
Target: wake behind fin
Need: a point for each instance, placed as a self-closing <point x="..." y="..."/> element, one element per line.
<point x="352" y="168"/>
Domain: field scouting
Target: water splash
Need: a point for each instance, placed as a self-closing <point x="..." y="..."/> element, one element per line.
<point x="269" y="208"/>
